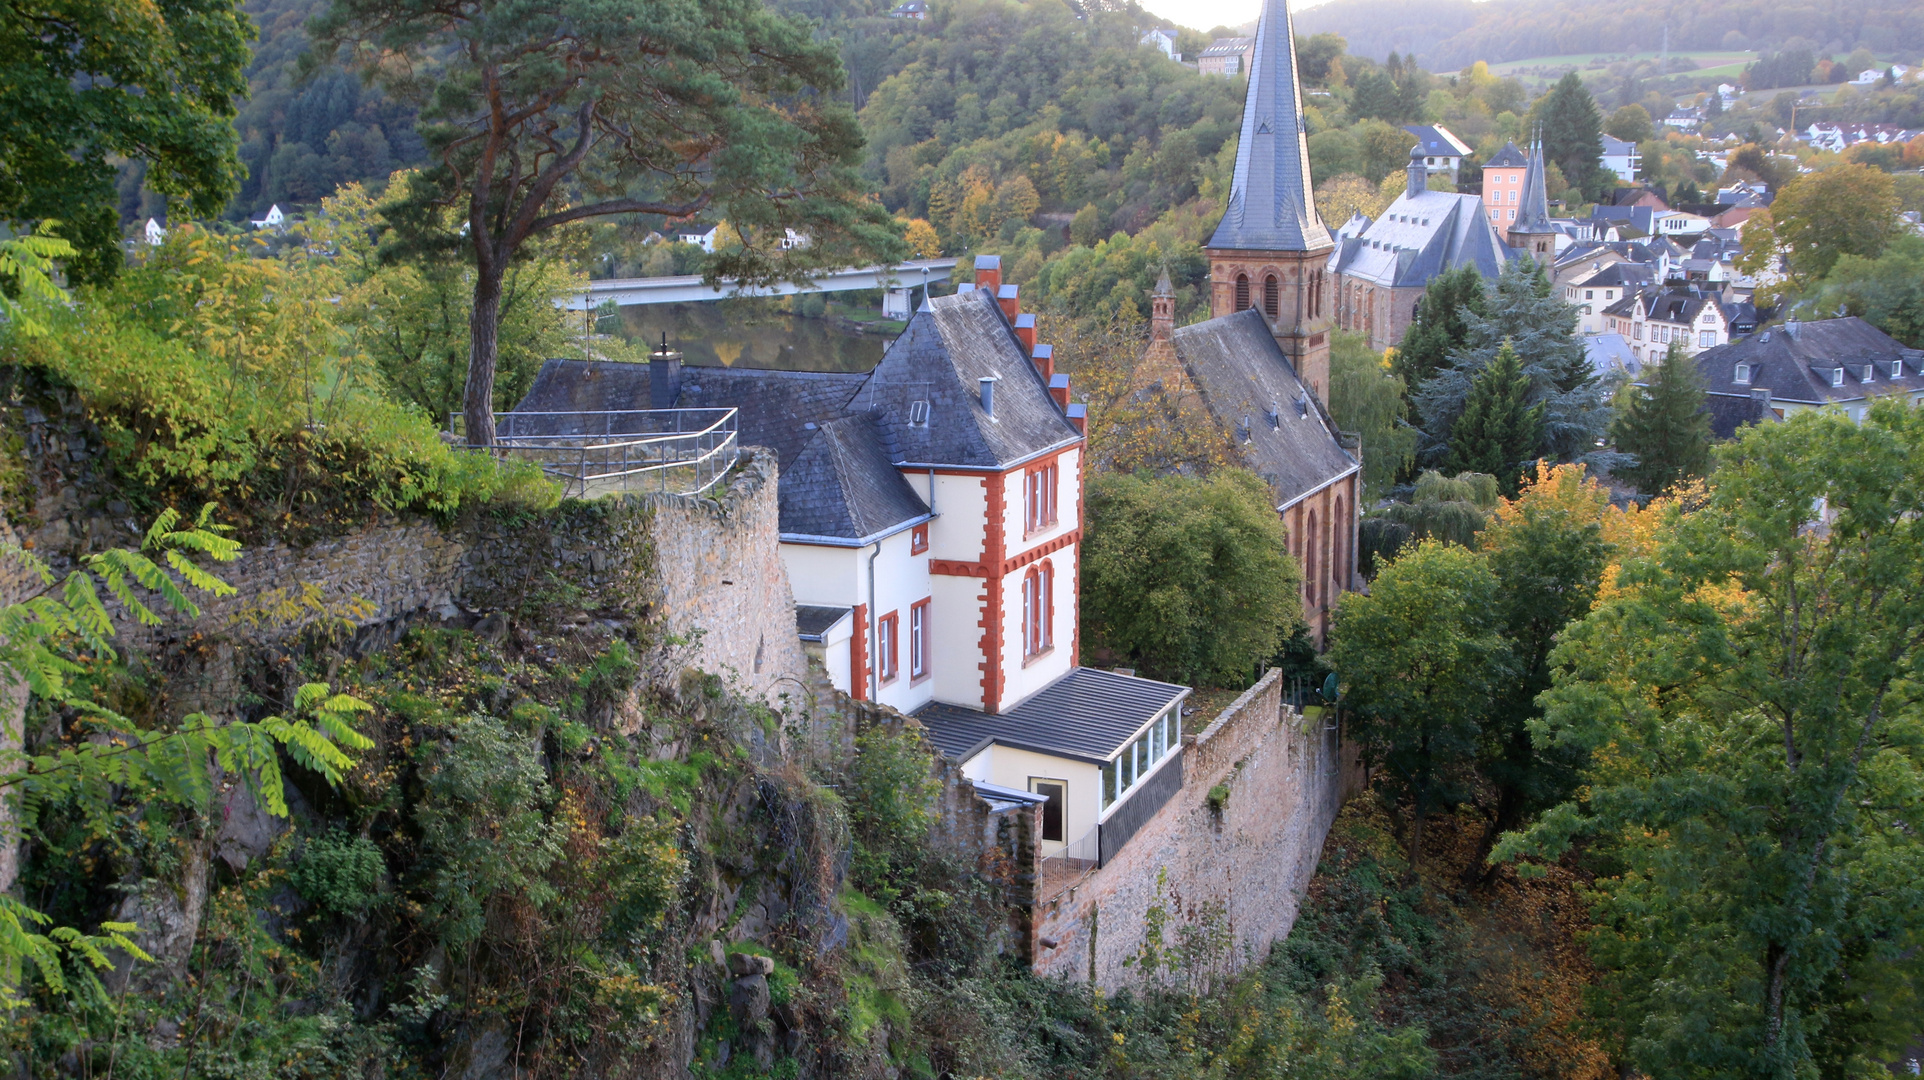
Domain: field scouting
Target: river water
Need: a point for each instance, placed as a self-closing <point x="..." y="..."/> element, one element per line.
<point x="747" y="333"/>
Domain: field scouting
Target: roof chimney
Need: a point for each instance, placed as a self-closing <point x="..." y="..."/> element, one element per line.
<point x="1045" y="360"/>
<point x="988" y="272"/>
<point x="664" y="376"/>
<point x="1059" y="389"/>
<point x="987" y="383"/>
<point x="1025" y="331"/>
<point x="1005" y="296"/>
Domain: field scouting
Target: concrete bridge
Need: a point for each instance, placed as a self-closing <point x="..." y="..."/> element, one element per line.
<point x="690" y="289"/>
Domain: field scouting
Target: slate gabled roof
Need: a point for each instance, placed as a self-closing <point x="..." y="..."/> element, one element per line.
<point x="1510" y="157"/>
<point x="947" y="347"/>
<point x="1419" y="237"/>
<point x="1731" y="412"/>
<point x="777" y="407"/>
<point x="1271" y="207"/>
<point x="1087" y="715"/>
<point x="843" y="486"/>
<point x="1437" y="141"/>
<point x="1250" y="387"/>
<point x="1794" y="362"/>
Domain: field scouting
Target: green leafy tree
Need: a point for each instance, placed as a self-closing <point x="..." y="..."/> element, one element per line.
<point x="1499" y="430"/>
<point x="1548" y="552"/>
<point x="1440" y="328"/>
<point x="1632" y="124"/>
<point x="1366" y="398"/>
<point x="55" y="637"/>
<point x="1188" y="578"/>
<point x="1850" y="209"/>
<point x="1755" y="682"/>
<point x="1887" y="291"/>
<point x="1571" y="125"/>
<point x="541" y="113"/>
<point x="1665" y="427"/>
<point x="83" y="85"/>
<point x="1421" y="659"/>
<point x="27" y="269"/>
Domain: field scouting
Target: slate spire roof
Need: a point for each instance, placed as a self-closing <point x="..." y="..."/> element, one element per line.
<point x="1534" y="215"/>
<point x="1271" y="207"/>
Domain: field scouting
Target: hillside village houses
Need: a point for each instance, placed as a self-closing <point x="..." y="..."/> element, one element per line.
<point x="1844" y="363"/>
<point x="1226" y="56"/>
<point x="1443" y="152"/>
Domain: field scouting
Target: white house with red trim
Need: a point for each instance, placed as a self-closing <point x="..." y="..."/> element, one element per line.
<point x="931" y="527"/>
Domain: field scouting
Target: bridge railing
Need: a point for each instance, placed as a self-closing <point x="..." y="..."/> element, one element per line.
<point x="673" y="451"/>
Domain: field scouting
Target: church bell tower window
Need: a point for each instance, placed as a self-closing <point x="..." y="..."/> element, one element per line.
<point x="1242" y="291"/>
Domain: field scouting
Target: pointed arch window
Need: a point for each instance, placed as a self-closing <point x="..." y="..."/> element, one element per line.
<point x="1311" y="543"/>
<point x="1272" y="295"/>
<point x="1242" y="291"/>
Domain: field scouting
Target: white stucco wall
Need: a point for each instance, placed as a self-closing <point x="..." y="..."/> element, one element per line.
<point x="1024" y="679"/>
<point x="1015" y="768"/>
<point x="1015" y="507"/>
<point x="960" y="504"/>
<point x="955" y="644"/>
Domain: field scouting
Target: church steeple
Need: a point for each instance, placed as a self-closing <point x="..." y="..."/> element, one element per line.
<point x="1272" y="206"/>
<point x="1270" y="252"/>
<point x="1532" y="231"/>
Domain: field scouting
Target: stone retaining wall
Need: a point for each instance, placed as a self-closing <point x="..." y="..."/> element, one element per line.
<point x="1230" y="855"/>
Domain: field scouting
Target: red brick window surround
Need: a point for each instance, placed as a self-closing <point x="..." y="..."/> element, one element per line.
<point x="887" y="633"/>
<point x="919" y="539"/>
<point x="1040" y="499"/>
<point x="1038" y="609"/>
<point x="919" y="640"/>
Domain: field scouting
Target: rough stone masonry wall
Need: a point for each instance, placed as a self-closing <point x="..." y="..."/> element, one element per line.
<point x="705" y="571"/>
<point x="1238" y="864"/>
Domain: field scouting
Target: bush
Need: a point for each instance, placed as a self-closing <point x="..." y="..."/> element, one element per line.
<point x="341" y="875"/>
<point x="219" y="378"/>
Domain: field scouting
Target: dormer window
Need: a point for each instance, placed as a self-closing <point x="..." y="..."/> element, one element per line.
<point x="1837" y="376"/>
<point x="1742" y="375"/>
<point x="1897" y="369"/>
<point x="1870" y="372"/>
<point x="918" y="414"/>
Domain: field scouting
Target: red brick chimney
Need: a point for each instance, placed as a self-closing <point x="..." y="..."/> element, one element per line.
<point x="1044" y="356"/>
<point x="988" y="272"/>
<point x="1059" y="389"/>
<point x="1025" y="331"/>
<point x="1006" y="296"/>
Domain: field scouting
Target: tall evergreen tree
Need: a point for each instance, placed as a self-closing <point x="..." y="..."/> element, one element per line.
<point x="1440" y="329"/>
<point x="1665" y="427"/>
<point x="1572" y="127"/>
<point x="1531" y="317"/>
<point x="1499" y="429"/>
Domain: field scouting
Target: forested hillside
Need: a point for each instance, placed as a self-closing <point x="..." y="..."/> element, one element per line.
<point x="1451" y="34"/>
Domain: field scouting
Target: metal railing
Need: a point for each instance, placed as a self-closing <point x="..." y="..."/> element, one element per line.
<point x="672" y="451"/>
<point x="1064" y="870"/>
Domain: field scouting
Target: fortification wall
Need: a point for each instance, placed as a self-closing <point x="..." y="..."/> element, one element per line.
<point x="705" y="572"/>
<point x="1230" y="855"/>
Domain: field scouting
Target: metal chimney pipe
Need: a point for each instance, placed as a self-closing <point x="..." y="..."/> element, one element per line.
<point x="987" y="383"/>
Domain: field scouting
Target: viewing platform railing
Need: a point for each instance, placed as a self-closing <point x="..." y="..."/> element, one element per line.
<point x="672" y="451"/>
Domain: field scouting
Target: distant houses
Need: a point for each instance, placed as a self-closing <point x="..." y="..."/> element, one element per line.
<point x="1443" y="152"/>
<point x="1163" y="41"/>
<point x="1621" y="158"/>
<point x="1226" y="56"/>
<point x="1841" y="363"/>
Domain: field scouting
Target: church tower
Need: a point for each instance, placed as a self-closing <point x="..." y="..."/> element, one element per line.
<point x="1271" y="249"/>
<point x="1531" y="232"/>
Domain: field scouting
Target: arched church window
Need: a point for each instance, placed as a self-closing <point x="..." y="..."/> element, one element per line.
<point x="1312" y="541"/>
<point x="1271" y="296"/>
<point x="1242" y="291"/>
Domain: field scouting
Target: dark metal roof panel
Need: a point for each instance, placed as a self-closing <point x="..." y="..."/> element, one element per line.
<point x="1087" y="715"/>
<point x="812" y="621"/>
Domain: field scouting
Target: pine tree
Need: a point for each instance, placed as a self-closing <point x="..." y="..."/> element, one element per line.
<point x="1499" y="429"/>
<point x="1530" y="316"/>
<point x="1440" y="329"/>
<point x="1665" y="427"/>
<point x="1572" y="128"/>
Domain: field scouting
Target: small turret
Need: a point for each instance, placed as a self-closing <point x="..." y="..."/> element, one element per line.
<point x="1162" y="309"/>
<point x="1417" y="175"/>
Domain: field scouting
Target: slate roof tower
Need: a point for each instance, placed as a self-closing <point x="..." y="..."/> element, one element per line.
<point x="1531" y="232"/>
<point x="1269" y="250"/>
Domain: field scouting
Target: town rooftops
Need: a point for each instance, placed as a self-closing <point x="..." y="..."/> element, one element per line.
<point x="1253" y="392"/>
<point x="1730" y="413"/>
<point x="1609" y="354"/>
<point x="1228" y="46"/>
<point x="1087" y="715"/>
<point x="1614" y="147"/>
<point x="1814" y="363"/>
<point x="1271" y="207"/>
